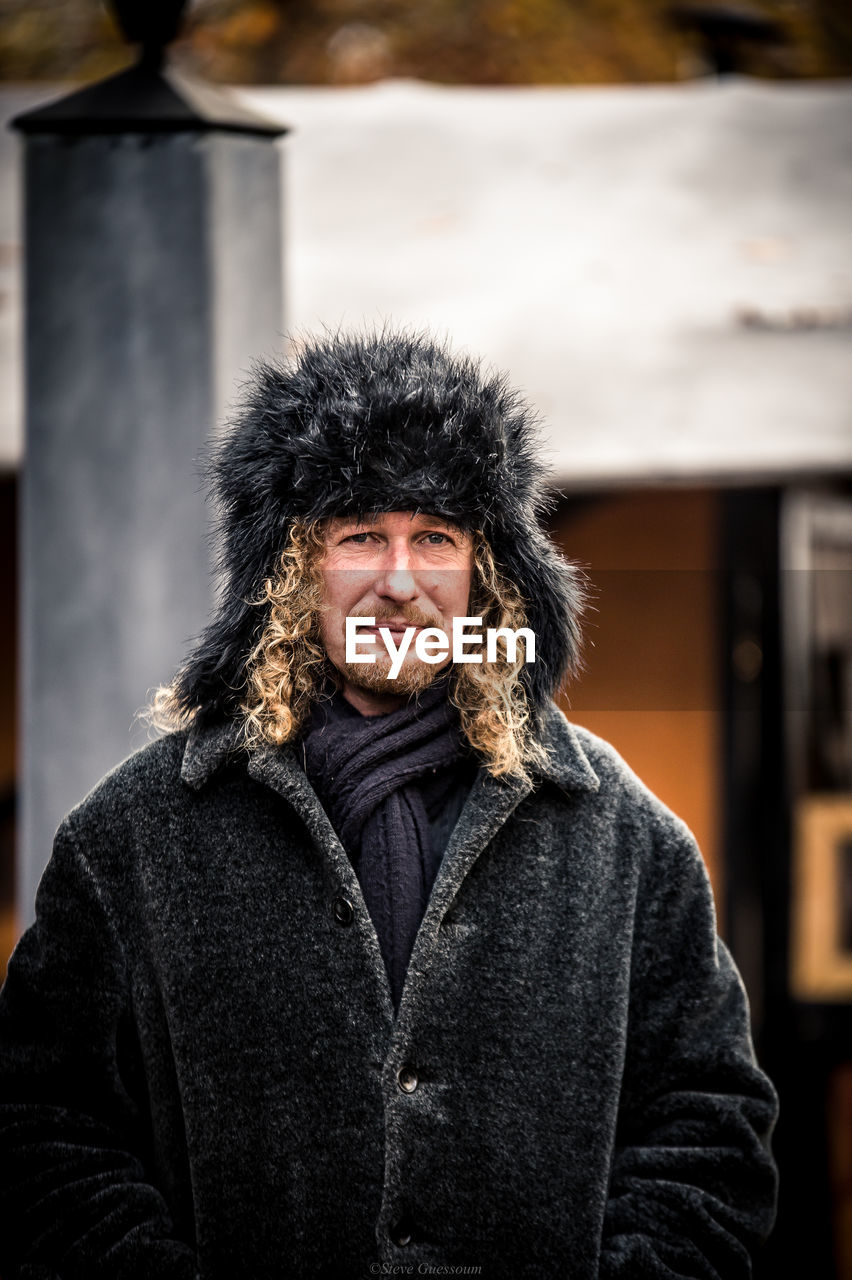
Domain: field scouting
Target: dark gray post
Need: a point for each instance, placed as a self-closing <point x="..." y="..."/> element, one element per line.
<point x="153" y="265"/>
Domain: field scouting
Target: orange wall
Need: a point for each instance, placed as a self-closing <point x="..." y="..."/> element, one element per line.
<point x="652" y="643"/>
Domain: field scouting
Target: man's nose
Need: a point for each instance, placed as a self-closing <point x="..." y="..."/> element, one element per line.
<point x="396" y="577"/>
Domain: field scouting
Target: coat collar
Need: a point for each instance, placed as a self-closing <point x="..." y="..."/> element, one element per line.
<point x="567" y="763"/>
<point x="207" y="750"/>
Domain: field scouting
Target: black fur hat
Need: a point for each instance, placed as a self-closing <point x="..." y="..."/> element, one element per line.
<point x="361" y="423"/>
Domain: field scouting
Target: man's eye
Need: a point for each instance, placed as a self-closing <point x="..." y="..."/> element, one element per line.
<point x="356" y="537"/>
<point x="441" y="539"/>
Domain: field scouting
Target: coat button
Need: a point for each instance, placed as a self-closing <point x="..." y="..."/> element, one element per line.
<point x="343" y="912"/>
<point x="407" y="1079"/>
<point x="400" y="1233"/>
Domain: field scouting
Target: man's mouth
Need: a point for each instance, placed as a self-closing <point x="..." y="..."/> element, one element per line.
<point x="396" y="624"/>
<point x="396" y="629"/>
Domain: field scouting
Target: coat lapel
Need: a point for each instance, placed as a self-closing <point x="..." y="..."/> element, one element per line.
<point x="280" y="770"/>
<point x="490" y="803"/>
<point x="208" y="749"/>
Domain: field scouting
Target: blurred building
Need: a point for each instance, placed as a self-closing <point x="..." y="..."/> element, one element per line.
<point x="667" y="272"/>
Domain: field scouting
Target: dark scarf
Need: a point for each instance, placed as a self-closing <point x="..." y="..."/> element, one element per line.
<point x="385" y="782"/>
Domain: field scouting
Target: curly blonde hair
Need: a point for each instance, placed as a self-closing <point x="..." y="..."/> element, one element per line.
<point x="287" y="671"/>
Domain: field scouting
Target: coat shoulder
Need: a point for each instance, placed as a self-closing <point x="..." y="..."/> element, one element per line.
<point x="621" y="788"/>
<point x="647" y="832"/>
<point x="147" y="780"/>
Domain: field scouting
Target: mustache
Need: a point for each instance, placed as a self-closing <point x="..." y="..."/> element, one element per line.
<point x="413" y="615"/>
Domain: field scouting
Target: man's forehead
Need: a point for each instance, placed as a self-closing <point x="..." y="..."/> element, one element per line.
<point x="378" y="519"/>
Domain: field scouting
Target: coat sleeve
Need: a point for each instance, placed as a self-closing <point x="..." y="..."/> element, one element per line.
<point x="693" y="1184"/>
<point x="75" y="1198"/>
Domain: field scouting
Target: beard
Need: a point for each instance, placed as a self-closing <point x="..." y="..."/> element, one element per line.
<point x="414" y="675"/>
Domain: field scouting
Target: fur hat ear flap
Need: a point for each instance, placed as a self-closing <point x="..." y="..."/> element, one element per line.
<point x="361" y="423"/>
<point x="554" y="594"/>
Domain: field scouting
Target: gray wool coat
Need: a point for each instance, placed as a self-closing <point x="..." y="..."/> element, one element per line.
<point x="202" y="1074"/>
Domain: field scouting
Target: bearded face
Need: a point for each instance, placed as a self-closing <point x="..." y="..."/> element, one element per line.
<point x="404" y="570"/>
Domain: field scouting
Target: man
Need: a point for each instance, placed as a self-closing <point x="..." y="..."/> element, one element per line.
<point x="354" y="974"/>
